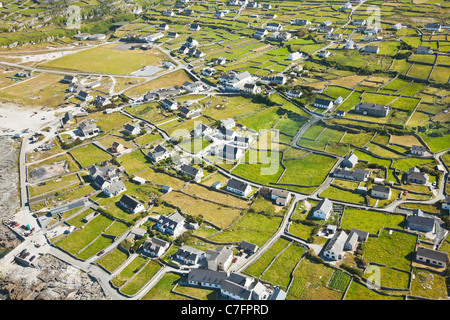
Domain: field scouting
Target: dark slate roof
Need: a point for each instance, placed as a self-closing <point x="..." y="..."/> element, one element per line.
<point x="208" y="276"/>
<point x="323" y="102"/>
<point x="432" y="254"/>
<point x="378" y="188"/>
<point x="238" y="185"/>
<point x="129" y="201"/>
<point x="236" y="289"/>
<point x="362" y="235"/>
<point x="248" y="245"/>
<point x="189" y="170"/>
<point x="422" y="221"/>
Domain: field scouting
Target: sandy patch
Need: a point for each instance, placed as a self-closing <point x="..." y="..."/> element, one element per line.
<point x="14" y="119"/>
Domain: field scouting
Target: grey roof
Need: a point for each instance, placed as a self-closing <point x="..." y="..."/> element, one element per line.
<point x="159" y="151"/>
<point x="325" y="205"/>
<point x="207" y="276"/>
<point x="421" y="221"/>
<point x="236" y="289"/>
<point x="432" y="254"/>
<point x="337" y="242"/>
<point x="131" y="126"/>
<point x="171" y="221"/>
<point x="229" y="152"/>
<point x="352" y="239"/>
<point x="418" y="148"/>
<point x="323" y="102"/>
<point x="191" y="171"/>
<point x="129" y="201"/>
<point x="116" y="186"/>
<point x="248" y="245"/>
<point x="378" y="188"/>
<point x="238" y="185"/>
<point x="362" y="235"/>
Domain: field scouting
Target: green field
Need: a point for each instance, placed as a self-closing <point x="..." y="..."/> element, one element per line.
<point x="106" y="60"/>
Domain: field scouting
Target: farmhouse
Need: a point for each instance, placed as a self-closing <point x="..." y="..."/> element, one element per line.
<point x="168" y="13"/>
<point x="194" y="27"/>
<point x="323" y="209"/>
<point x="357" y="174"/>
<point x="381" y="192"/>
<point x="281" y="197"/>
<point x="335" y="247"/>
<point x="206" y="278"/>
<point x="131" y="205"/>
<point x="132" y="129"/>
<point x="323" y="103"/>
<point x="294" y="93"/>
<point x="280" y="79"/>
<point x="418" y="150"/>
<point x="248" y="247"/>
<point x="114" y="189"/>
<point x="159" y="153"/>
<point x="397" y="27"/>
<point x="234" y="81"/>
<point x="433" y="27"/>
<point x="238" y="287"/>
<point x="229" y="152"/>
<point x="191" y="42"/>
<point x="102" y="177"/>
<point x="272" y="26"/>
<point x="371" y="109"/>
<point x="432" y="257"/>
<point x="188" y="113"/>
<point x="225" y="134"/>
<point x="220" y="61"/>
<point x="417" y="221"/>
<point x="101" y="101"/>
<point x="415" y="176"/>
<point x="424" y="50"/>
<point x="295" y="56"/>
<point x="350" y="161"/>
<point x="172" y="225"/>
<point x="238" y="187"/>
<point x="371" y="49"/>
<point x="189" y="255"/>
<point x="193" y="87"/>
<point x="301" y="22"/>
<point x="68" y="118"/>
<point x="163" y="26"/>
<point x="88" y="129"/>
<point x="69" y="79"/>
<point x="324" y="53"/>
<point x="173" y="35"/>
<point x="170" y="104"/>
<point x="251" y="88"/>
<point x="219" y="259"/>
<point x="326" y="29"/>
<point x="202" y="130"/>
<point x="84" y="96"/>
<point x="155" y="247"/>
<point x="191" y="172"/>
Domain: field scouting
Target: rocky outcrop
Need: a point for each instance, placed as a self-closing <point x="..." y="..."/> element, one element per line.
<point x="55" y="280"/>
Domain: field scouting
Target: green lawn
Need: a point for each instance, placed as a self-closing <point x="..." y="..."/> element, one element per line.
<point x="394" y="250"/>
<point x="310" y="170"/>
<point x="370" y="221"/>
<point x="89" y="155"/>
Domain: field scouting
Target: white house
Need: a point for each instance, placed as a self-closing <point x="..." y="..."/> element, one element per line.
<point x="155" y="247"/>
<point x="172" y="224"/>
<point x="159" y="153"/>
<point x="131" y="205"/>
<point x="335" y="247"/>
<point x="238" y="187"/>
<point x="170" y="104"/>
<point x="323" y="209"/>
<point x="295" y="56"/>
<point x="115" y="188"/>
<point x="381" y="192"/>
<point x="323" y="103"/>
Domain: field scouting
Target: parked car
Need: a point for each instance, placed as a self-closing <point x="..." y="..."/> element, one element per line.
<point x="101" y="252"/>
